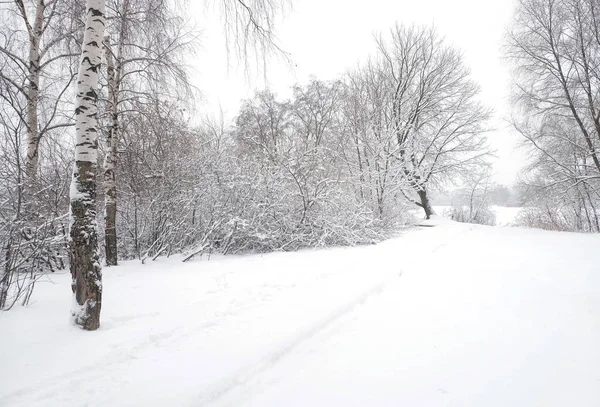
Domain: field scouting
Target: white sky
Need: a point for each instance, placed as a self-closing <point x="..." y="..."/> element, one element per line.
<point x="326" y="37"/>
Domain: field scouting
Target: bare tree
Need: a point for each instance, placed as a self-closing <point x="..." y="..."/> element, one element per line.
<point x="45" y="29"/>
<point x="36" y="43"/>
<point x="367" y="121"/>
<point x="555" y="46"/>
<point x="425" y="101"/>
<point x="147" y="42"/>
<point x="249" y="28"/>
<point x="471" y="203"/>
<point x="144" y="118"/>
<point x="85" y="266"/>
<point x="143" y="52"/>
<point x="110" y="158"/>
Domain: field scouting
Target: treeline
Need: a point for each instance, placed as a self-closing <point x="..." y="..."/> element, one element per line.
<point x="337" y="164"/>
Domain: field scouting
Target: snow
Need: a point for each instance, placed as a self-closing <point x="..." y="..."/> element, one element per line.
<point x="447" y="315"/>
<point x="505" y="215"/>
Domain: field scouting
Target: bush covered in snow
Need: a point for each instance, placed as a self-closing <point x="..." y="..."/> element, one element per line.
<point x="481" y="216"/>
<point x="548" y="219"/>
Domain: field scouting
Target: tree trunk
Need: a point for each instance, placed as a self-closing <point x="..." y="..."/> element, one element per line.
<point x="110" y="161"/>
<point x="4" y="281"/>
<point x="33" y="79"/>
<point x="425" y="203"/>
<point x="86" y="271"/>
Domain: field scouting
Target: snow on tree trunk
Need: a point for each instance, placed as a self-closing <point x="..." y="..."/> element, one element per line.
<point x="33" y="79"/>
<point x="110" y="161"/>
<point x="86" y="270"/>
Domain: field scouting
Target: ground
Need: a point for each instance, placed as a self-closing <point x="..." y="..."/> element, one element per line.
<point x="450" y="315"/>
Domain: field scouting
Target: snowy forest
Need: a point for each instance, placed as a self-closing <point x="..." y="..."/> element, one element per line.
<point x="104" y="159"/>
<point x="110" y="158"/>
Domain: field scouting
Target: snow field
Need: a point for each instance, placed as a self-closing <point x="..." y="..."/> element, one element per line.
<point x="450" y="315"/>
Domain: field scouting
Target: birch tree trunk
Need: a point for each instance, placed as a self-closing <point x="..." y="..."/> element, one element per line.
<point x="110" y="160"/>
<point x="86" y="271"/>
<point x="33" y="78"/>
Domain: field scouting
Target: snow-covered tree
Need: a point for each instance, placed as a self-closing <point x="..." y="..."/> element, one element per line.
<point x="36" y="49"/>
<point x="144" y="47"/>
<point x="432" y="105"/>
<point x="555" y="48"/>
<point x="422" y="113"/>
<point x="37" y="44"/>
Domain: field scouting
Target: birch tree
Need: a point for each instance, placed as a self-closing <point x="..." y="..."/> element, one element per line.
<point x="45" y="29"/>
<point x="86" y="270"/>
<point x="36" y="60"/>
<point x="110" y="158"/>
<point x="145" y="50"/>
<point x="35" y="32"/>
<point x="144" y="47"/>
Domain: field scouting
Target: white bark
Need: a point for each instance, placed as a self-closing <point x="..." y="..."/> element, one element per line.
<point x="110" y="160"/>
<point x="114" y="74"/>
<point x="86" y="108"/>
<point x="85" y="265"/>
<point x="33" y="139"/>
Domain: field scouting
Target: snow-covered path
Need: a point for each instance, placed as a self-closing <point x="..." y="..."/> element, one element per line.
<point x="492" y="329"/>
<point x="453" y="315"/>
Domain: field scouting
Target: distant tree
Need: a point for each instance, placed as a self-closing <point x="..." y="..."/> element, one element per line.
<point x="261" y="124"/>
<point x="501" y="195"/>
<point x="471" y="204"/>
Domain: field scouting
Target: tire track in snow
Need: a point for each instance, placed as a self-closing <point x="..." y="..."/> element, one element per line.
<point x="249" y="373"/>
<point x="248" y="381"/>
<point x="81" y="378"/>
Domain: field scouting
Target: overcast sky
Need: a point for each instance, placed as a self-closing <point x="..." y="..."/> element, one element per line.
<point x="326" y="37"/>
